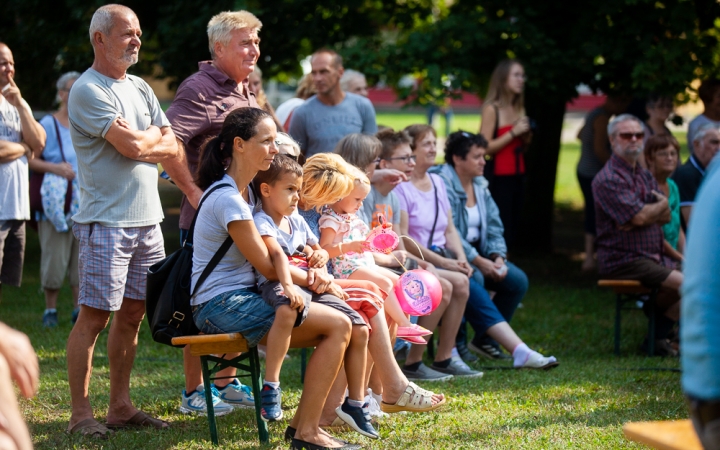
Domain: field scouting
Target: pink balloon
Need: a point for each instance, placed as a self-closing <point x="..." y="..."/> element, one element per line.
<point x="418" y="292"/>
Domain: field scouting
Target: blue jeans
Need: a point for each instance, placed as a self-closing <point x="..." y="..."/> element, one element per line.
<point x="483" y="312"/>
<point x="240" y="311"/>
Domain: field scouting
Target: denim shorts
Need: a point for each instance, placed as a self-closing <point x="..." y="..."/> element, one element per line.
<point x="240" y="311"/>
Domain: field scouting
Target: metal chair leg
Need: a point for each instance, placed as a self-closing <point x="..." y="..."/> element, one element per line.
<point x="303" y="364"/>
<point x="618" y="315"/>
<point x="651" y="323"/>
<point x="263" y="433"/>
<point x="207" y="375"/>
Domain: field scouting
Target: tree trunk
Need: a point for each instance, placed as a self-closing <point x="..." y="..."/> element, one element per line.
<point x="536" y="228"/>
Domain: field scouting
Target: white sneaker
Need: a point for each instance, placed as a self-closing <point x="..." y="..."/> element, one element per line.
<point x="195" y="403"/>
<point x="237" y="394"/>
<point x="537" y="361"/>
<point x="373" y="406"/>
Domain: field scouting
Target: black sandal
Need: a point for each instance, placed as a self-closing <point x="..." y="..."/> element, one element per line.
<point x="297" y="444"/>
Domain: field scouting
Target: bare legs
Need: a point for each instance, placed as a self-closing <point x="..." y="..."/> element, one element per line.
<point x="122" y="344"/>
<point x="51" y="296"/>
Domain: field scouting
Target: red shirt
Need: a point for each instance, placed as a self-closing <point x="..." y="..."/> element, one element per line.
<point x="197" y="113"/>
<point x="620" y="192"/>
<point x="509" y="160"/>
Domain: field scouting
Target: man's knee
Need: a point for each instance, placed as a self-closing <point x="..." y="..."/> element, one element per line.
<point x="92" y="319"/>
<point x="131" y="312"/>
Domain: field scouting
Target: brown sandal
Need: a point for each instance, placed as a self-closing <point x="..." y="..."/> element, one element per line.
<point x="91" y="428"/>
<point x="140" y="419"/>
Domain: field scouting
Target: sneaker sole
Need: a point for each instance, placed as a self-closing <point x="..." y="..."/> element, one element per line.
<point x="272" y="420"/>
<point x="238" y="405"/>
<point x="415" y="378"/>
<point x="457" y="375"/>
<point x="351" y="423"/>
<point x="547" y="366"/>
<point x="199" y="412"/>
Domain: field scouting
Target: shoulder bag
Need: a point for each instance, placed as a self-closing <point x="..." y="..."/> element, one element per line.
<point x="168" y="294"/>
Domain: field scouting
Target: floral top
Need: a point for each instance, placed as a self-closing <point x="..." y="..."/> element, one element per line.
<point x="348" y="228"/>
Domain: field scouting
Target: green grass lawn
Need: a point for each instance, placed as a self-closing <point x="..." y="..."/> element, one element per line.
<point x="581" y="404"/>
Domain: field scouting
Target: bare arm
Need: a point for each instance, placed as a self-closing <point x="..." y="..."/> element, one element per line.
<point x="327" y="236"/>
<point x="64" y="169"/>
<point x="671" y="252"/>
<point x="179" y="172"/>
<point x="455" y="244"/>
<point x="282" y="268"/>
<point x="152" y="145"/>
<point x="600" y="141"/>
<point x="658" y="212"/>
<point x="33" y="133"/>
<point x="490" y="122"/>
<point x="686" y="211"/>
<point x="248" y="241"/>
<point x="10" y="151"/>
<point x="681" y="242"/>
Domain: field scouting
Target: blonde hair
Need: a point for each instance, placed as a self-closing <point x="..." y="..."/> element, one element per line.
<point x="221" y="25"/>
<point x="498" y="91"/>
<point x="327" y="178"/>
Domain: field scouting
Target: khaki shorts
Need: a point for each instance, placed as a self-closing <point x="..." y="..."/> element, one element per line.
<point x="59" y="256"/>
<point x="12" y="251"/>
<point x="114" y="263"/>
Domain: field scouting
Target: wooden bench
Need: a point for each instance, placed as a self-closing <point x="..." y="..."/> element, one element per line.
<point x="206" y="346"/>
<point x="630" y="291"/>
<point x="666" y="435"/>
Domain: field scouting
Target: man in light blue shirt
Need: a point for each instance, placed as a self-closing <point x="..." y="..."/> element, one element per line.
<point x="324" y="119"/>
<point x="700" y="317"/>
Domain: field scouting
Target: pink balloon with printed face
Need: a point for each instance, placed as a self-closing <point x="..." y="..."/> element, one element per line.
<point x="418" y="292"/>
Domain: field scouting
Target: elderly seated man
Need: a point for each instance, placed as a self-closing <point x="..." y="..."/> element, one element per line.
<point x="690" y="175"/>
<point x="630" y="210"/>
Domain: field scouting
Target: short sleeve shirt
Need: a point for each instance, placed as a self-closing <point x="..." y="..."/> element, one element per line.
<point x="620" y="192"/>
<point x="299" y="236"/>
<point x="14" y="185"/>
<point x="197" y="114"/>
<point x="115" y="191"/>
<point x="234" y="271"/>
<point x="671" y="230"/>
<point x="318" y="127"/>
<point x="51" y="152"/>
<point x="421" y="209"/>
<point x="376" y="204"/>
<point x="688" y="178"/>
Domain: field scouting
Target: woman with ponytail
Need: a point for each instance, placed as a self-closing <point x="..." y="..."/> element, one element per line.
<point x="228" y="301"/>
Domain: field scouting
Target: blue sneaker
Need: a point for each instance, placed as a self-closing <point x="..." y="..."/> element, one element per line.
<point x="358" y="417"/>
<point x="195" y="403"/>
<point x="271" y="400"/>
<point x="237" y="394"/>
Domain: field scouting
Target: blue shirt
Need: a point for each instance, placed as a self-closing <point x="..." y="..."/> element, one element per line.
<point x="700" y="316"/>
<point x="51" y="152"/>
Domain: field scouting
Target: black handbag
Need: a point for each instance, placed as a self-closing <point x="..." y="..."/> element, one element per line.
<point x="167" y="299"/>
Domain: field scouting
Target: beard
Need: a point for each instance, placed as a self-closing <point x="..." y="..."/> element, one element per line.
<point x="129" y="59"/>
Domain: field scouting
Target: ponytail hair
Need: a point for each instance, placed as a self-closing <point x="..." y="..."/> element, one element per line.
<point x="216" y="153"/>
<point x="327" y="178"/>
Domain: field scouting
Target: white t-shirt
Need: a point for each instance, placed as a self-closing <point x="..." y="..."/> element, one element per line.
<point x="14" y="184"/>
<point x="473" y="233"/>
<point x="233" y="272"/>
<point x="115" y="191"/>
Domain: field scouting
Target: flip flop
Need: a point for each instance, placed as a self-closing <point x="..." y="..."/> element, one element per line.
<point x="91" y="428"/>
<point x="140" y="419"/>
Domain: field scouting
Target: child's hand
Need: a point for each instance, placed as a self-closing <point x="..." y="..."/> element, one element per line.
<point x="296" y="300"/>
<point x="400" y="255"/>
<point x="318" y="258"/>
<point x="354" y="246"/>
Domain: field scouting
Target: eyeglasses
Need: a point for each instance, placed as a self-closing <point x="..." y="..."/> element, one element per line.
<point x="671" y="154"/>
<point x="405" y="159"/>
<point x="628" y="136"/>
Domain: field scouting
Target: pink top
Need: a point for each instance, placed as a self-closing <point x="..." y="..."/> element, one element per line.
<point x="420" y="207"/>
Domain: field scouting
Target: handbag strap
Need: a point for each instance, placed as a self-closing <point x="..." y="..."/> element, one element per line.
<point x="59" y="139"/>
<point x="215" y="260"/>
<point x="437" y="212"/>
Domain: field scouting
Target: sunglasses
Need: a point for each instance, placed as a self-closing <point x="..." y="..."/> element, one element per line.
<point x="628" y="136"/>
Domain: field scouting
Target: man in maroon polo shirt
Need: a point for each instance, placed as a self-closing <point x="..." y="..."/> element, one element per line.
<point x="197" y="113"/>
<point x="630" y="211"/>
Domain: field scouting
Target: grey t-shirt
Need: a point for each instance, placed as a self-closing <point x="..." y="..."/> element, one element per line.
<point x="375" y="204"/>
<point x="300" y="233"/>
<point x="318" y="127"/>
<point x="233" y="272"/>
<point x="694" y="126"/>
<point x="14" y="187"/>
<point x="115" y="191"/>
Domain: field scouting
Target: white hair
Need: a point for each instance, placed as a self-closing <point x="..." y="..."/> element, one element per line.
<point x="64" y="78"/>
<point x="285" y="139"/>
<point x="612" y="126"/>
<point x="348" y="77"/>
<point x="221" y="25"/>
<point x="102" y="20"/>
<point x="703" y="130"/>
